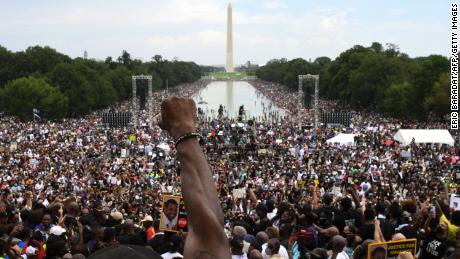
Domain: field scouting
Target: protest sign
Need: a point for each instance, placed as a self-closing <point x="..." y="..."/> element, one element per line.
<point x="239" y="193"/>
<point x="391" y="249"/>
<point x="455" y="202"/>
<point x="262" y="151"/>
<point x="406" y="154"/>
<point x="173" y="216"/>
<point x="13" y="146"/>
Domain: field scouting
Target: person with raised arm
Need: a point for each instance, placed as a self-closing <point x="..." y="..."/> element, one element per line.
<point x="206" y="237"/>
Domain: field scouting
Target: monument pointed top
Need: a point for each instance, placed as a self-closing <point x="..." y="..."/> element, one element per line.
<point x="229" y="65"/>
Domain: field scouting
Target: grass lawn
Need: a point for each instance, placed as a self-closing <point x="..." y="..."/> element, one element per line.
<point x="228" y="76"/>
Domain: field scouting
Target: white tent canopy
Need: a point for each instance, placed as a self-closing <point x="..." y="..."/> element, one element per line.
<point x="343" y="139"/>
<point x="437" y="136"/>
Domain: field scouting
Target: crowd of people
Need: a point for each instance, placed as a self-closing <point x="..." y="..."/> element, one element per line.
<point x="73" y="187"/>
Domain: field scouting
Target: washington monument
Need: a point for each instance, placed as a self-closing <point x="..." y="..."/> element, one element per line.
<point x="229" y="65"/>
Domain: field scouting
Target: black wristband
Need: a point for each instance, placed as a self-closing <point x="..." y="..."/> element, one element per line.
<point x="187" y="136"/>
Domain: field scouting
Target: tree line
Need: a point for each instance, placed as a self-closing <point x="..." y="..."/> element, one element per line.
<point x="59" y="86"/>
<point x="377" y="78"/>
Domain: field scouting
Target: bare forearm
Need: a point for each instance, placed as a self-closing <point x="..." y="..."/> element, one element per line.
<point x="315" y="198"/>
<point x="29" y="204"/>
<point x="378" y="237"/>
<point x="197" y="186"/>
<point x="426" y="226"/>
<point x="206" y="237"/>
<point x="354" y="196"/>
<point x="252" y="196"/>
<point x="438" y="207"/>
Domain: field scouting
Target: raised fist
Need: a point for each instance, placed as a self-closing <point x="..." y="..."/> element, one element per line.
<point x="178" y="116"/>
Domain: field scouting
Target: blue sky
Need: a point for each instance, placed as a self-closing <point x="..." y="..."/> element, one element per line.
<point x="195" y="30"/>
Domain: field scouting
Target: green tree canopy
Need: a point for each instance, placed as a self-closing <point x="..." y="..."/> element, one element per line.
<point x="72" y="82"/>
<point x="89" y="84"/>
<point x="377" y="78"/>
<point x="21" y="95"/>
<point x="437" y="101"/>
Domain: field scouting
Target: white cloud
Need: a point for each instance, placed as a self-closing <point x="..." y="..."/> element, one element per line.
<point x="334" y="21"/>
<point x="196" y="29"/>
<point x="274" y="5"/>
<point x="204" y="37"/>
<point x="398" y="11"/>
<point x="262" y="37"/>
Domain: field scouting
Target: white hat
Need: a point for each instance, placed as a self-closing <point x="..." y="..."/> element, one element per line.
<point x="57" y="230"/>
<point x="117" y="215"/>
<point x="147" y="218"/>
<point x="31" y="250"/>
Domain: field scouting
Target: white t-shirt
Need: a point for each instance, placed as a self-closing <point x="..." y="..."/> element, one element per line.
<point x="39" y="186"/>
<point x="272" y="214"/>
<point x="166" y="223"/>
<point x="283" y="252"/>
<point x="170" y="255"/>
<point x="243" y="256"/>
<point x="341" y="255"/>
<point x="246" y="246"/>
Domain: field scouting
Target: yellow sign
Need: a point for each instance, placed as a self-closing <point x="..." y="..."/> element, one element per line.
<point x="391" y="249"/>
<point x="173" y="216"/>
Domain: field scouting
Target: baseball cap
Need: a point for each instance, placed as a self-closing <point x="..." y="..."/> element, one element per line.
<point x="147" y="218"/>
<point x="116" y="215"/>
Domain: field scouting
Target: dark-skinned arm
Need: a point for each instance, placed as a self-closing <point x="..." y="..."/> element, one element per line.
<point x="354" y="195"/>
<point x="439" y="212"/>
<point x="315" y="201"/>
<point x="378" y="236"/>
<point x="252" y="196"/>
<point x="426" y="226"/>
<point x="206" y="237"/>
